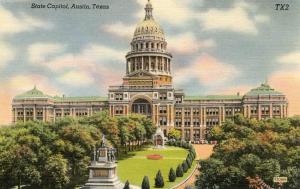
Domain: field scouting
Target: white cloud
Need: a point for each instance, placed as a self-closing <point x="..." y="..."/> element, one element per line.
<point x="11" y="24"/>
<point x="261" y="18"/>
<point x="236" y="19"/>
<point x="83" y="68"/>
<point x="208" y="71"/>
<point x="290" y="58"/>
<point x="187" y="43"/>
<point x="119" y="29"/>
<point x="6" y="54"/>
<point x="38" y="52"/>
<point x="175" y="12"/>
<point x="76" y="78"/>
<point x="23" y="82"/>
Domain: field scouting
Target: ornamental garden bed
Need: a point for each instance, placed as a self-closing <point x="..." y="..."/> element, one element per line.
<point x="154" y="156"/>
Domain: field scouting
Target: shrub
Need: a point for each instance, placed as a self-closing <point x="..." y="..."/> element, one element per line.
<point x="126" y="186"/>
<point x="159" y="180"/>
<point x="184" y="166"/>
<point x="179" y="171"/>
<point x="172" y="175"/>
<point x="145" y="183"/>
<point x="188" y="162"/>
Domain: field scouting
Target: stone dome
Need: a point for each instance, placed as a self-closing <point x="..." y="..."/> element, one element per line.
<point x="148" y="28"/>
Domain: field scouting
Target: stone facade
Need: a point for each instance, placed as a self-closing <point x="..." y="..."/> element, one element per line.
<point x="147" y="89"/>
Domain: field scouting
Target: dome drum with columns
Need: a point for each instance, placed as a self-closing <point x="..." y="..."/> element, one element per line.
<point x="149" y="51"/>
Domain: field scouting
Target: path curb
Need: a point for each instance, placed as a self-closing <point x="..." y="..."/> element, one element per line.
<point x="185" y="180"/>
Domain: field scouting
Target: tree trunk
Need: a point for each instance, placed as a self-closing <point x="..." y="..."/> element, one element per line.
<point x="19" y="183"/>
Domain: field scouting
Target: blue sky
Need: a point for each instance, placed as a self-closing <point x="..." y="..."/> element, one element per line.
<point x="218" y="47"/>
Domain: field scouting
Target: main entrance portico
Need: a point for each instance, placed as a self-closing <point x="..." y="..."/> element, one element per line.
<point x="141" y="106"/>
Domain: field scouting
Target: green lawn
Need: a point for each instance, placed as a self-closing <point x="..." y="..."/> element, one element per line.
<point x="135" y="166"/>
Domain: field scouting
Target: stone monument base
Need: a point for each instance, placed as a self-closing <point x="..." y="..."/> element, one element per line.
<point x="107" y="181"/>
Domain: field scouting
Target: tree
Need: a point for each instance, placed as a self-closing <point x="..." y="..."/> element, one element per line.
<point x="159" y="180"/>
<point x="145" y="183"/>
<point x="174" y="134"/>
<point x="188" y="162"/>
<point x="126" y="186"/>
<point x="56" y="172"/>
<point x="184" y="166"/>
<point x="172" y="175"/>
<point x="179" y="171"/>
<point x="248" y="163"/>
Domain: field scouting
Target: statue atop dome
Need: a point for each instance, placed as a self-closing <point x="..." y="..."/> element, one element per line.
<point x="148" y="10"/>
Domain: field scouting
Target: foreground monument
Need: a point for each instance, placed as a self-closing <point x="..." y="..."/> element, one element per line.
<point x="103" y="170"/>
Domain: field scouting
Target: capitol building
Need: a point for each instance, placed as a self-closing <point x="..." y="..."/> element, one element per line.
<point x="147" y="89"/>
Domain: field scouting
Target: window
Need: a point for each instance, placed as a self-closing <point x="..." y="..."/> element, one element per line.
<point x="196" y="111"/>
<point x="196" y="122"/>
<point x="163" y="120"/>
<point x="119" y="96"/>
<point x="228" y="111"/>
<point x="118" y="110"/>
<point x="178" y="112"/>
<point x="253" y="110"/>
<point x="178" y="122"/>
<point x="265" y="110"/>
<point x="276" y="110"/>
<point x="187" y="112"/>
<point x="163" y="109"/>
<point x="163" y="96"/>
<point x="178" y="100"/>
<point x="187" y="122"/>
<point x="212" y="111"/>
<point x="212" y="122"/>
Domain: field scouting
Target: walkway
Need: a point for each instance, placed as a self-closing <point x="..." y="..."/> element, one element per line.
<point x="203" y="152"/>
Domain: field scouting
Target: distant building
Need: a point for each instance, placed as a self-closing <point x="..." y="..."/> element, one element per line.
<point x="147" y="89"/>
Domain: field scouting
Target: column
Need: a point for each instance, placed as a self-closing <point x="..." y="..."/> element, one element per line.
<point x="54" y="114"/>
<point x="135" y="63"/>
<point x="156" y="64"/>
<point x="62" y="112"/>
<point x="223" y="113"/>
<point x="168" y="114"/>
<point x="220" y="115"/>
<point x="44" y="114"/>
<point x="142" y="63"/>
<point x="172" y="115"/>
<point x="271" y="110"/>
<point x="245" y="111"/>
<point x="157" y="114"/>
<point x="192" y="125"/>
<point x="182" y="124"/>
<point x="153" y="114"/>
<point x="34" y="113"/>
<point x="281" y="111"/>
<point x="249" y="111"/>
<point x="24" y="114"/>
<point x="259" y="112"/>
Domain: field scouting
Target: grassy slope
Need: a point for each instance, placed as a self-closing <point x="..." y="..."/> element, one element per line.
<point x="136" y="166"/>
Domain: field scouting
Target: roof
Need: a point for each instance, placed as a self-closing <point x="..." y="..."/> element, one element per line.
<point x="214" y="97"/>
<point x="263" y="89"/>
<point x="33" y="93"/>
